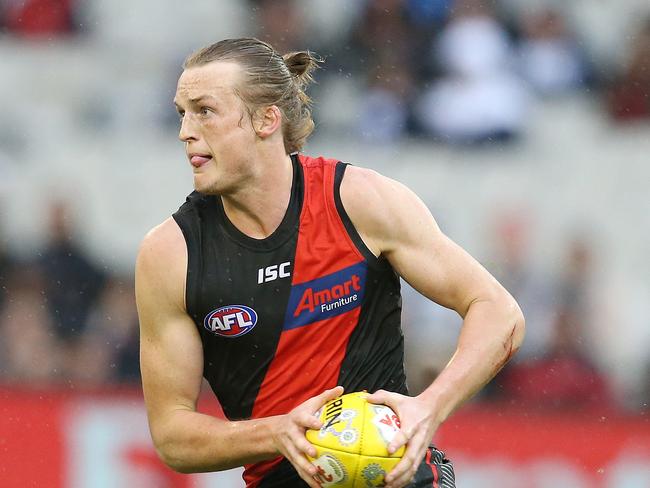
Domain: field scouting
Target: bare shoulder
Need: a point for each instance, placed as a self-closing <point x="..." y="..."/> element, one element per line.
<point x="380" y="208"/>
<point x="162" y="261"/>
<point x="165" y="241"/>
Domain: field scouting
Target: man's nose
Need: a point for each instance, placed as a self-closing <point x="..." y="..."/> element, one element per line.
<point x="187" y="131"/>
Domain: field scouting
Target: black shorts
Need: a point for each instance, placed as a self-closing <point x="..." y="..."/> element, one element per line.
<point x="435" y="471"/>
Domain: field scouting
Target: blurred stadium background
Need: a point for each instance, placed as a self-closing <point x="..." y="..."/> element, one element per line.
<point x="523" y="124"/>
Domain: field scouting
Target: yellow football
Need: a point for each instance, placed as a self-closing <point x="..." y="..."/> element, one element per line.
<point x="352" y="445"/>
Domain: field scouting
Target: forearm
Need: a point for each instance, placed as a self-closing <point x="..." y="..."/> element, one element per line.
<point x="189" y="441"/>
<point x="491" y="333"/>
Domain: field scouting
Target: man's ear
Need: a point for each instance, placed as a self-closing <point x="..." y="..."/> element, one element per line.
<point x="267" y="120"/>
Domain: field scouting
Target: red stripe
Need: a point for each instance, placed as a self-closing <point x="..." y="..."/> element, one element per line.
<point x="434" y="469"/>
<point x="306" y="363"/>
<point x="308" y="359"/>
<point x="324" y="246"/>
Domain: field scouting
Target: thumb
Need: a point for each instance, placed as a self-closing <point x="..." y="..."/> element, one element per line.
<point x="320" y="400"/>
<point x="331" y="394"/>
<point x="379" y="397"/>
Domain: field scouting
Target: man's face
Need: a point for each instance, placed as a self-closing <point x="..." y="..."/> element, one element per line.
<point x="215" y="126"/>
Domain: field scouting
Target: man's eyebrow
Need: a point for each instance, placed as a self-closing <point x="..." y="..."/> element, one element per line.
<point x="202" y="98"/>
<point x="198" y="99"/>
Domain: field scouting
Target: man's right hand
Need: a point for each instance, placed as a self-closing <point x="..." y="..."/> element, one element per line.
<point x="289" y="434"/>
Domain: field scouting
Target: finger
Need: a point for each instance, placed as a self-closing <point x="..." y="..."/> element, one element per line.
<point x="401" y="475"/>
<point x="403" y="480"/>
<point x="318" y="401"/>
<point x="400" y="439"/>
<point x="397" y="472"/>
<point x="406" y="476"/>
<point x="310" y="480"/>
<point x="378" y="397"/>
<point x="412" y="457"/>
<point x="406" y="468"/>
<point x="330" y="394"/>
<point x="307" y="420"/>
<point x="313" y="483"/>
<point x="305" y="469"/>
<point x="309" y="476"/>
<point x="388" y="398"/>
<point x="304" y="445"/>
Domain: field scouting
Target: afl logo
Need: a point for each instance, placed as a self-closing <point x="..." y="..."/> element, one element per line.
<point x="231" y="321"/>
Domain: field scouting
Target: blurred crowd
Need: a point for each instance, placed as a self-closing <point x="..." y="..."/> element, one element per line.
<point x="456" y="71"/>
<point x="464" y="71"/>
<point x="561" y="365"/>
<point x="64" y="319"/>
<point x="459" y="72"/>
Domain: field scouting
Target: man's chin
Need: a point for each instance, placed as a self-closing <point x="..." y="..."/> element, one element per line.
<point x="208" y="190"/>
<point x="203" y="185"/>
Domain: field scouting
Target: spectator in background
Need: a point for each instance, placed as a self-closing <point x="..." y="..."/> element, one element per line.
<point x="383" y="50"/>
<point x="113" y="328"/>
<point x="428" y="15"/>
<point x="29" y="351"/>
<point x="565" y="376"/>
<point x="39" y="18"/>
<point x="382" y="29"/>
<point x="6" y="267"/>
<point x="280" y="23"/>
<point x="72" y="281"/>
<point x="512" y="265"/>
<point x="575" y="291"/>
<point x="479" y="98"/>
<point x="385" y="104"/>
<point x="108" y="350"/>
<point x="430" y="333"/>
<point x="63" y="320"/>
<point x="549" y="58"/>
<point x="629" y="95"/>
<point x="645" y="394"/>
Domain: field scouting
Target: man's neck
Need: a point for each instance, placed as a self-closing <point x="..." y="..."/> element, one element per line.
<point x="258" y="209"/>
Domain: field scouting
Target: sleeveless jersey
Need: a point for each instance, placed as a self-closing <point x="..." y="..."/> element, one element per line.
<point x="284" y="318"/>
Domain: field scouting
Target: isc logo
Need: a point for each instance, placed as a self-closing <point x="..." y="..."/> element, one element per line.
<point x="273" y="272"/>
<point x="231" y="321"/>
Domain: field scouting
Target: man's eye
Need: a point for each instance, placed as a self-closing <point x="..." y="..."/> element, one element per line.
<point x="181" y="115"/>
<point x="204" y="111"/>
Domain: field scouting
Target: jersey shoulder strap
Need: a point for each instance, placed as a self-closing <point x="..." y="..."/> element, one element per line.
<point x="323" y="178"/>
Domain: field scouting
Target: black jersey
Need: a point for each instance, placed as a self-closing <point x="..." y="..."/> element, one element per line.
<point x="284" y="318"/>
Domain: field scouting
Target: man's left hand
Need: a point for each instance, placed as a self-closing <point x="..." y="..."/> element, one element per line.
<point x="417" y="426"/>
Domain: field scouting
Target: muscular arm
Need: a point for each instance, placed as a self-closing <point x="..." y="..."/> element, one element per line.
<point x="171" y="360"/>
<point x="394" y="223"/>
<point x="493" y="325"/>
